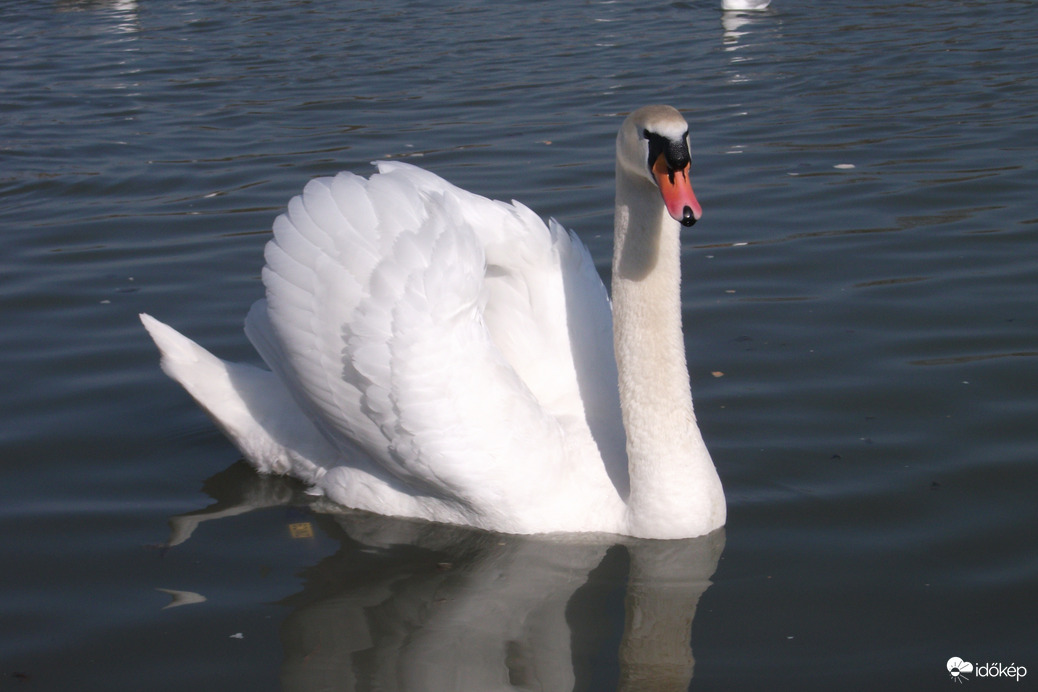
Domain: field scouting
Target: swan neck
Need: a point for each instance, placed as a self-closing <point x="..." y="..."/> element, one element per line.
<point x="648" y="338"/>
<point x="669" y="466"/>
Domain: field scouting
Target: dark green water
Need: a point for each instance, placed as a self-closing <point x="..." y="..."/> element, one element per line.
<point x="860" y="314"/>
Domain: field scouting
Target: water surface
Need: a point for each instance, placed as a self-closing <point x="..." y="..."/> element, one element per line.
<point x="859" y="310"/>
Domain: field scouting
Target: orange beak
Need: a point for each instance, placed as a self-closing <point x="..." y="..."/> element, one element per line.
<point x="677" y="193"/>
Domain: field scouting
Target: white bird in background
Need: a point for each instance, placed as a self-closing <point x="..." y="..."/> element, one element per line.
<point x="438" y="355"/>
<point x="750" y="5"/>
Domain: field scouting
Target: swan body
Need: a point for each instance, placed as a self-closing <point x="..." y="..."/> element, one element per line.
<point x="438" y="355"/>
<point x="750" y="5"/>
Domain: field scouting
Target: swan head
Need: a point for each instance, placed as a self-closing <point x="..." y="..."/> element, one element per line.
<point x="652" y="146"/>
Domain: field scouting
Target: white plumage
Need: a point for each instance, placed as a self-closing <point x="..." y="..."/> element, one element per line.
<point x="437" y="355"/>
<point x="750" y="5"/>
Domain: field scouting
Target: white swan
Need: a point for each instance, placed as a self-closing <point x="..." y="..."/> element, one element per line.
<point x="750" y="5"/>
<point x="442" y="356"/>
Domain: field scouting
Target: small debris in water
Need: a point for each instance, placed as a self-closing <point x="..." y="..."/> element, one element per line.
<point x="302" y="529"/>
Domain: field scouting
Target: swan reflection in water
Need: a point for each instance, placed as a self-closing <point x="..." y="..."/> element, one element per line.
<point x="415" y="606"/>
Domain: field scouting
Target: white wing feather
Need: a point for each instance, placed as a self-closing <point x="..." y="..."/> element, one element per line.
<point x="454" y="353"/>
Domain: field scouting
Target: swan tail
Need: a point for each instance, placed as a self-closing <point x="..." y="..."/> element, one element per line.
<point x="248" y="404"/>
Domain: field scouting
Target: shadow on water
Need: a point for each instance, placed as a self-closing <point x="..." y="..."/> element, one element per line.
<point x="406" y="605"/>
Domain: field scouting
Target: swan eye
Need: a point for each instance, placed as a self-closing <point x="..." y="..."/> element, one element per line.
<point x="646" y="134"/>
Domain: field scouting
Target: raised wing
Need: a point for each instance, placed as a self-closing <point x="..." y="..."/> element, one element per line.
<point x="437" y="330"/>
